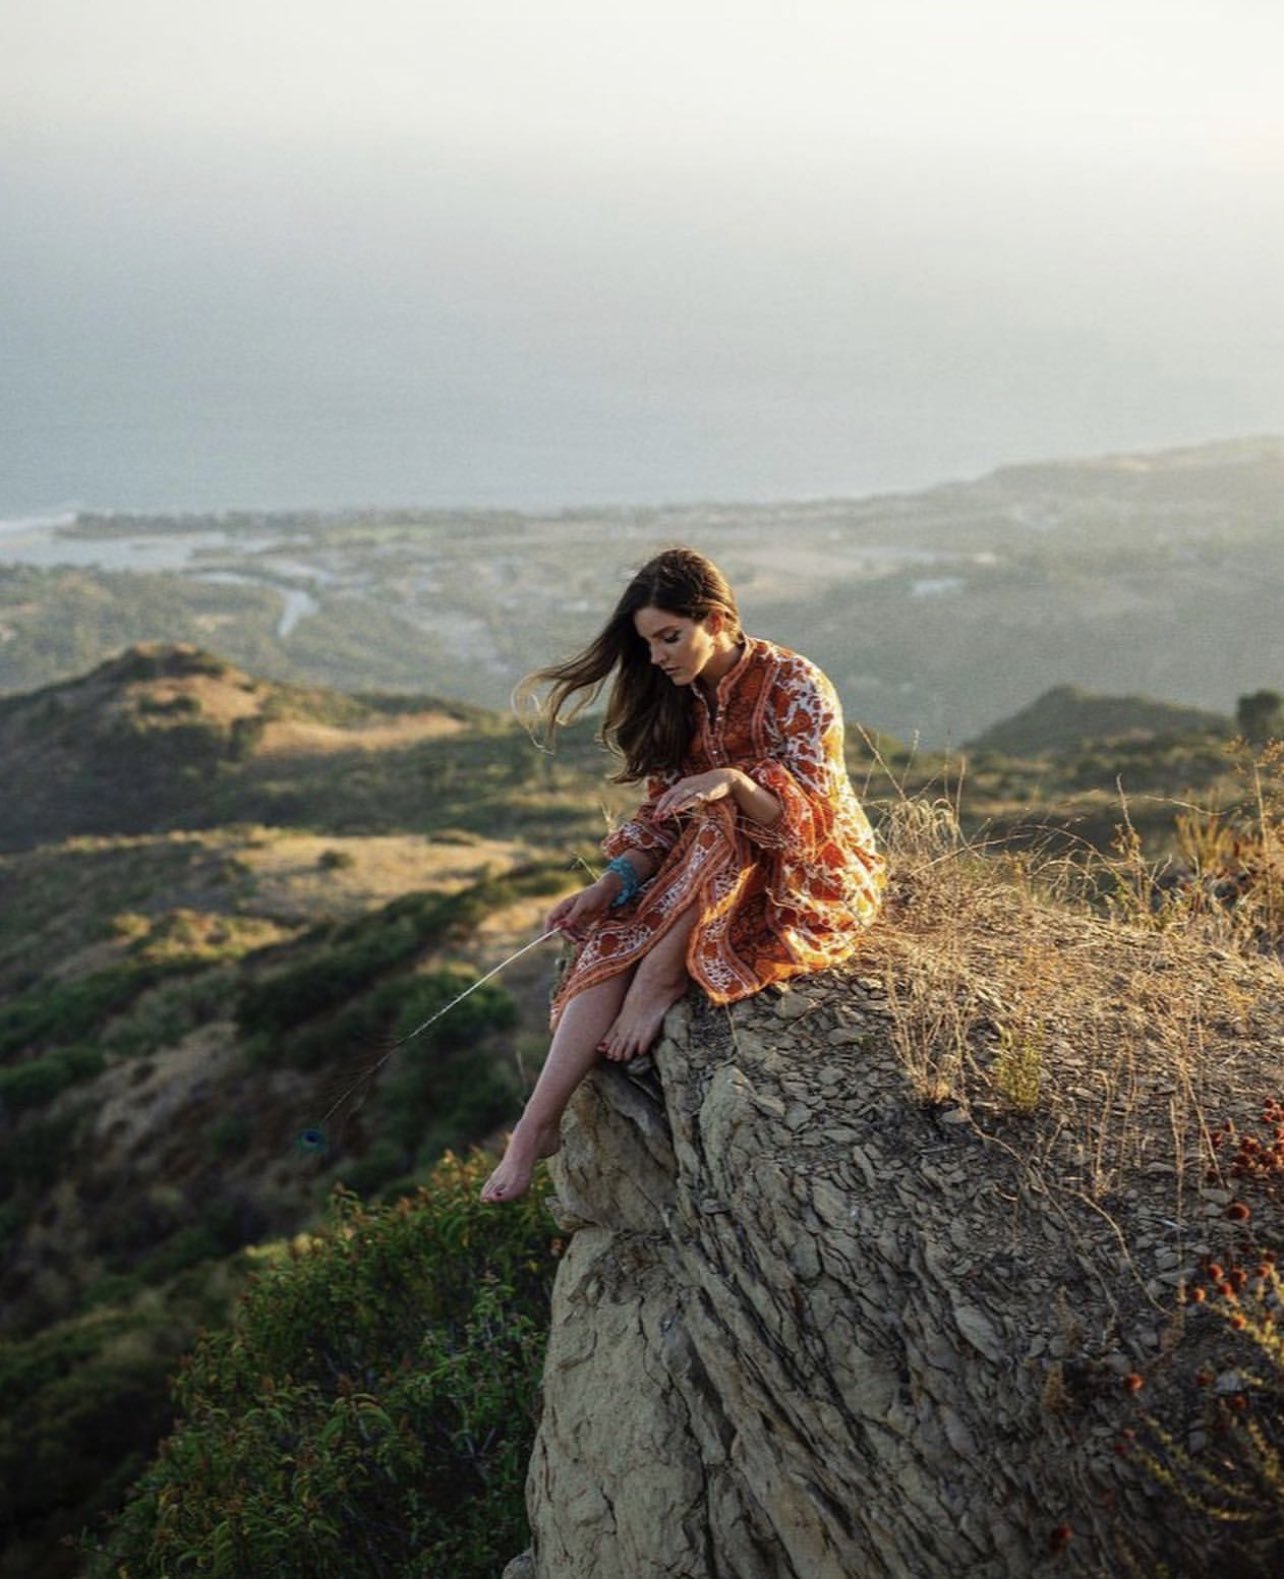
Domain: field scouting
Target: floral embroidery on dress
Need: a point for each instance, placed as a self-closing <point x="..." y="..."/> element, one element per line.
<point x="773" y="901"/>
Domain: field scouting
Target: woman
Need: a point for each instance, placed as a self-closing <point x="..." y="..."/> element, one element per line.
<point x="749" y="862"/>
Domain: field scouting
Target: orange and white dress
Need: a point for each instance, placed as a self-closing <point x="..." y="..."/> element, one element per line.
<point x="772" y="901"/>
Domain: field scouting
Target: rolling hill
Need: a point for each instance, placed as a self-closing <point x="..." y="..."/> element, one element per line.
<point x="1067" y="719"/>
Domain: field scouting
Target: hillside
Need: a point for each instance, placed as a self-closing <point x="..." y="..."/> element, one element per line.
<point x="161" y="737"/>
<point x="241" y="889"/>
<point x="254" y="889"/>
<point x="195" y="1013"/>
<point x="957" y="1260"/>
<point x="165" y="738"/>
<point x="1067" y="718"/>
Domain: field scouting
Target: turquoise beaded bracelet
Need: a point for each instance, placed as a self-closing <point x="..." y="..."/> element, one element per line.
<point x="625" y="870"/>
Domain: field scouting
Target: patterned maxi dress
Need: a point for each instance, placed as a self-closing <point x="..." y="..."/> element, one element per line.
<point x="772" y="901"/>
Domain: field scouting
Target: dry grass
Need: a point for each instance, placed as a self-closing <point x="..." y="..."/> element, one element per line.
<point x="298" y="737"/>
<point x="1125" y="1054"/>
<point x="1128" y="1032"/>
<point x="305" y="875"/>
<point x="219" y="700"/>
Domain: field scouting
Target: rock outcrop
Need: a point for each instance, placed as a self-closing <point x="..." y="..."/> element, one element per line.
<point x="809" y="1325"/>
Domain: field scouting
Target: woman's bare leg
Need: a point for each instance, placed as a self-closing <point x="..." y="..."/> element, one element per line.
<point x="574" y="1050"/>
<point x="658" y="982"/>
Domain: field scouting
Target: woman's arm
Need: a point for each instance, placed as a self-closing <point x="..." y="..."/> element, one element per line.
<point x="644" y="834"/>
<point x="644" y="862"/>
<point x="572" y="914"/>
<point x="757" y="803"/>
<point x="643" y="841"/>
<point x="805" y="771"/>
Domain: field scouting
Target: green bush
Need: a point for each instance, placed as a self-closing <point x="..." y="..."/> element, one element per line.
<point x="84" y="1403"/>
<point x="112" y="1288"/>
<point x="327" y="978"/>
<point x="161" y="661"/>
<point x="382" y="1163"/>
<point x="439" y="1092"/>
<point x="69" y="1010"/>
<point x="245" y="736"/>
<point x="156" y="1233"/>
<point x="32" y="1156"/>
<point x="340" y="963"/>
<point x="363" y="1023"/>
<point x="39" y="1080"/>
<point x="374" y="1394"/>
<point x="169" y="706"/>
<point x="1260" y="716"/>
<point x="451" y="1084"/>
<point x="12" y="1220"/>
<point x="229" y="1134"/>
<point x="189" y="1247"/>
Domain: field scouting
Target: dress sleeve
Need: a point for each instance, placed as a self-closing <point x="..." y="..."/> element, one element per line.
<point x="642" y="831"/>
<point x="806" y="769"/>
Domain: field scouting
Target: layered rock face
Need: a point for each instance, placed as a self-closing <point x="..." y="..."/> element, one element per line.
<point x="808" y="1326"/>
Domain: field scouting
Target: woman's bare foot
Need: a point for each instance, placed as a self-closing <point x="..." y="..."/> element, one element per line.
<point x="641" y="1015"/>
<point x="658" y="982"/>
<point x="526" y="1145"/>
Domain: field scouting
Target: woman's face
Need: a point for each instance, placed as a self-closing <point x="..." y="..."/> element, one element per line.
<point x="681" y="647"/>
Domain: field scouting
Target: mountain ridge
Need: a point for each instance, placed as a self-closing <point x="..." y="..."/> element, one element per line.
<point x="167" y="736"/>
<point x="1067" y="717"/>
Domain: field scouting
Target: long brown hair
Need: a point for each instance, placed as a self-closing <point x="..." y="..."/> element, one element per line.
<point x="648" y="718"/>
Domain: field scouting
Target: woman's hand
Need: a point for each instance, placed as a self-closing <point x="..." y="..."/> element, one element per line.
<point x="697" y="790"/>
<point x="756" y="803"/>
<point x="574" y="913"/>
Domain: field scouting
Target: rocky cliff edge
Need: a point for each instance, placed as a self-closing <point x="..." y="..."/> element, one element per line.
<point x="873" y="1277"/>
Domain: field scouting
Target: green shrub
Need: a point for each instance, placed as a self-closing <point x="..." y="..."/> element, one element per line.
<point x="228" y="1134"/>
<point x="161" y="661"/>
<point x="165" y="1014"/>
<point x="327" y="978"/>
<point x="31" y="1084"/>
<point x="170" y="706"/>
<point x="440" y="1093"/>
<point x="84" y="1403"/>
<point x="245" y="736"/>
<point x="340" y="963"/>
<point x="383" y="1162"/>
<point x="188" y="1247"/>
<point x="1260" y="716"/>
<point x="375" y="1394"/>
<point x="12" y="1220"/>
<point x="224" y="1226"/>
<point x="365" y="1022"/>
<point x="112" y="1288"/>
<point x="39" y="1080"/>
<point x="32" y="1156"/>
<point x="69" y="1010"/>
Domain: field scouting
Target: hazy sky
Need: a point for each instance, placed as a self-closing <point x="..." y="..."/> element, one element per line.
<point x="558" y="251"/>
